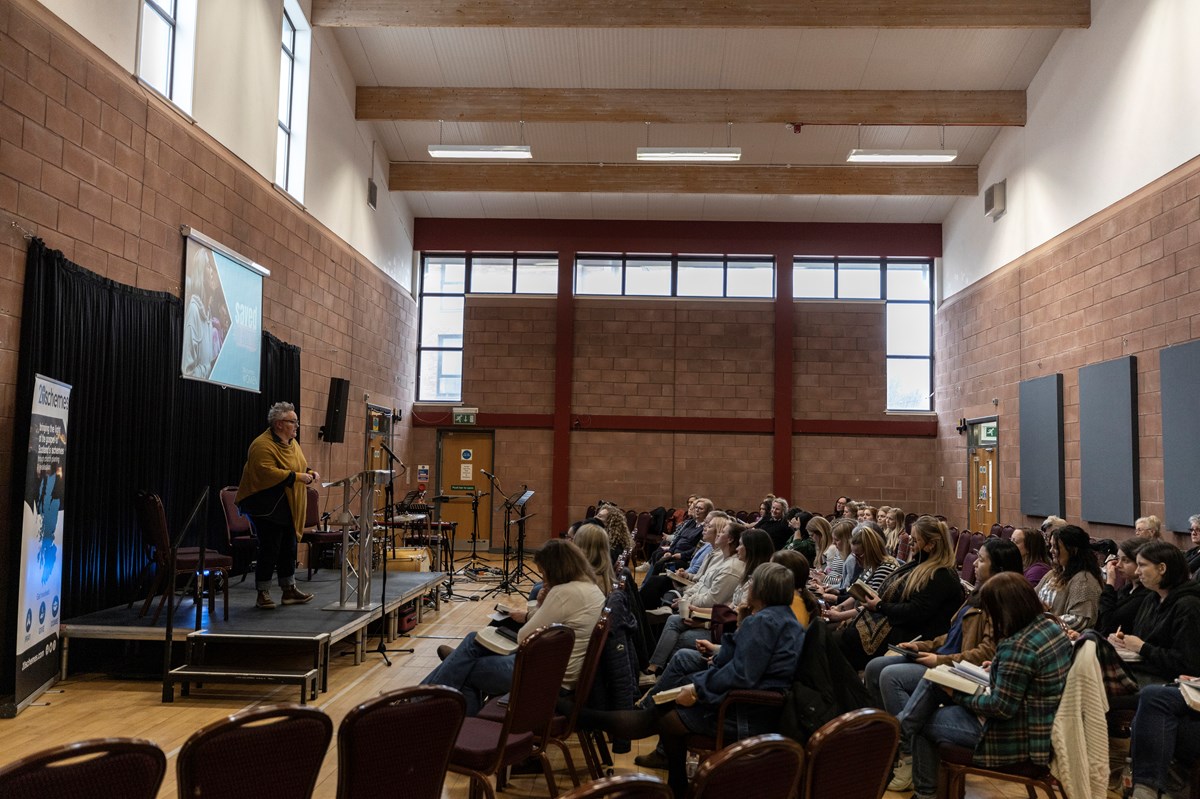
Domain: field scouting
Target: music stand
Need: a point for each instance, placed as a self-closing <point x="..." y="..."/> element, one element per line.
<point x="523" y="572"/>
<point x="512" y="578"/>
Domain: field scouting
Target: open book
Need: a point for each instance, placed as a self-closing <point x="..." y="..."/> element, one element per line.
<point x="965" y="677"/>
<point x="1191" y="693"/>
<point x="683" y="579"/>
<point x="669" y="695"/>
<point x="500" y="640"/>
<point x="862" y="592"/>
<point x="689" y="611"/>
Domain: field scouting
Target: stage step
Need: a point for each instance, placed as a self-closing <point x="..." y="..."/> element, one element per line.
<point x="247" y="657"/>
<point x="307" y="680"/>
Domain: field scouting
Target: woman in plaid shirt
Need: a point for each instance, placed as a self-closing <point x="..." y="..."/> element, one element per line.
<point x="1010" y="723"/>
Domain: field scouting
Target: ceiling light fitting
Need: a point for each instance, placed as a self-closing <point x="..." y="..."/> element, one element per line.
<point x="507" y="152"/>
<point x="689" y="153"/>
<point x="859" y="156"/>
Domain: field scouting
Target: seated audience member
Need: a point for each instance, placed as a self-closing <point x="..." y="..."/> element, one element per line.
<point x="1193" y="554"/>
<point x="1166" y="631"/>
<point x="571" y="596"/>
<point x="620" y="540"/>
<point x="660" y="587"/>
<point x="866" y="513"/>
<point x="764" y="509"/>
<point x="896" y="683"/>
<point x="1071" y="589"/>
<point x="744" y="551"/>
<point x="774" y="523"/>
<point x="820" y="531"/>
<point x="837" y="552"/>
<point x="761" y="655"/>
<point x="801" y="541"/>
<point x="851" y="511"/>
<point x="867" y="550"/>
<point x="1035" y="552"/>
<point x="893" y="530"/>
<point x="569" y="535"/>
<point x="1050" y="524"/>
<point x="1010" y="723"/>
<point x="881" y="515"/>
<point x="918" y="598"/>
<point x="678" y="553"/>
<point x="592" y="540"/>
<point x="838" y="509"/>
<point x="804" y="604"/>
<point x="1148" y="527"/>
<point x="1163" y="728"/>
<point x="1119" y="606"/>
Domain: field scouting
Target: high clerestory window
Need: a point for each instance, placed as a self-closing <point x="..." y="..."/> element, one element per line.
<point x="675" y="276"/>
<point x="167" y="49"/>
<point x="292" y="130"/>
<point x="445" y="282"/>
<point x="906" y="285"/>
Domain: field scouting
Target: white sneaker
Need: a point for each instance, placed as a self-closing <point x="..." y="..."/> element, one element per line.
<point x="902" y="776"/>
<point x="662" y="610"/>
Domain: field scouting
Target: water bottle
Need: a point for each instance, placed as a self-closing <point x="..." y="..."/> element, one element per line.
<point x="1127" y="778"/>
<point x="693" y="763"/>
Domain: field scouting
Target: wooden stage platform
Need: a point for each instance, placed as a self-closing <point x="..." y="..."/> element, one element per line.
<point x="294" y="621"/>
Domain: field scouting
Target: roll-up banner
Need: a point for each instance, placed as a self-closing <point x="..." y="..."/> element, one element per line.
<point x="40" y="605"/>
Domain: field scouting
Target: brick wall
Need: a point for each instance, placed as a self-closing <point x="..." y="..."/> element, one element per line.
<point x="840" y="371"/>
<point x="1124" y="282"/>
<point x="101" y="169"/>
<point x="508" y="354"/>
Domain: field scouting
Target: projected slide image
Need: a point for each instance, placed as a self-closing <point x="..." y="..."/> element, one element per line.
<point x="222" y="323"/>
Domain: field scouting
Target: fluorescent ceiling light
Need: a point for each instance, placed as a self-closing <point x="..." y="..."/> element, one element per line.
<point x="858" y="156"/>
<point x="689" y="153"/>
<point x="505" y="151"/>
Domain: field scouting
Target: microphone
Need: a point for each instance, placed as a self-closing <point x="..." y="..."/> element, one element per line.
<point x="388" y="450"/>
<point x="488" y="474"/>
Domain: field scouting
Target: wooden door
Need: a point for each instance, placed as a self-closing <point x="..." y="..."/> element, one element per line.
<point x="983" y="479"/>
<point x="462" y="455"/>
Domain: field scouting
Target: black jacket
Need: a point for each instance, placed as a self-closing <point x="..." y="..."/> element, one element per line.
<point x="928" y="611"/>
<point x="1119" y="607"/>
<point x="1171" y="631"/>
<point x="824" y="687"/>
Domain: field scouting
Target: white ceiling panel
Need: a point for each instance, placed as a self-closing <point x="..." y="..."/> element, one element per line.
<point x="400" y="57"/>
<point x="833" y="59"/>
<point x="558" y="205"/>
<point x="674" y="206"/>
<point x="544" y="58"/>
<point x="686" y="59"/>
<point x="615" y="59"/>
<point x="509" y="205"/>
<point x="756" y="59"/>
<point x="472" y="57"/>
<point x="832" y="208"/>
<point x="619" y="206"/>
<point x="788" y="208"/>
<point x="731" y="207"/>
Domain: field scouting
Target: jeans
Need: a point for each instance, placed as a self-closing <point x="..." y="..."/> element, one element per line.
<point x="952" y="725"/>
<point x="684" y="664"/>
<point x="871" y="678"/>
<point x="478" y="672"/>
<point x="676" y="636"/>
<point x="910" y="698"/>
<point x="276" y="553"/>
<point x="1164" y="727"/>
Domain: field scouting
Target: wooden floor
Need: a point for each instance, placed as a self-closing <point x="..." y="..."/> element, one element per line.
<point x="91" y="706"/>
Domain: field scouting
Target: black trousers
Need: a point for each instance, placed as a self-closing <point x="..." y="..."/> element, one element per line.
<point x="276" y="552"/>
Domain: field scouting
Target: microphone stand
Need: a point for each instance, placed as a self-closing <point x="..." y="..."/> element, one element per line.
<point x="387" y="519"/>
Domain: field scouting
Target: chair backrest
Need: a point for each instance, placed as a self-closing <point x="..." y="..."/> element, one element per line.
<point x="312" y="508"/>
<point x="127" y="767"/>
<point x="279" y="749"/>
<point x="235" y="522"/>
<point x="625" y="786"/>
<point x="763" y="766"/>
<point x="402" y="739"/>
<point x="968" y="568"/>
<point x="631" y="517"/>
<point x="152" y="519"/>
<point x="977" y="540"/>
<point x="1006" y="532"/>
<point x="962" y="548"/>
<point x="867" y="738"/>
<point x="589" y="669"/>
<point x="642" y="524"/>
<point x="996" y="528"/>
<point x="953" y="536"/>
<point x="537" y="676"/>
<point x="591" y="511"/>
<point x="909" y="518"/>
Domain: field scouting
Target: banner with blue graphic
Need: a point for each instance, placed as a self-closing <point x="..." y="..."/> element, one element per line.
<point x="43" y="511"/>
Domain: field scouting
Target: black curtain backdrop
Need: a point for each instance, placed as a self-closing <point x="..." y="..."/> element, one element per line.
<point x="134" y="422"/>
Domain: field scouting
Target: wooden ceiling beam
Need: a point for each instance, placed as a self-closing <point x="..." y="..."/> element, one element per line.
<point x="999" y="108"/>
<point x="958" y="181"/>
<point x="704" y="13"/>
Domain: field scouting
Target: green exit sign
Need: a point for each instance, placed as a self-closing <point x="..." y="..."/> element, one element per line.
<point x="465" y="415"/>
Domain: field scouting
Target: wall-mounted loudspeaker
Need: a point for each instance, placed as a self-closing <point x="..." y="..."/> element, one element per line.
<point x="334" y="429"/>
<point x="994" y="200"/>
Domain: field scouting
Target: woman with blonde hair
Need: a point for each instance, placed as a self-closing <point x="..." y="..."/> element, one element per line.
<point x="837" y="553"/>
<point x="1148" y="527"/>
<point x="618" y="532"/>
<point x="919" y="598"/>
<point x="819" y="530"/>
<point x="893" y="530"/>
<point x="592" y="539"/>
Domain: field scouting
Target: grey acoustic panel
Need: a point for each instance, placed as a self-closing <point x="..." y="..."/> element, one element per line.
<point x="1179" y="371"/>
<point x="1043" y="479"/>
<point x="1108" y="441"/>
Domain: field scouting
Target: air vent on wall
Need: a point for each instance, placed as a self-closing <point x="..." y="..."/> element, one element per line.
<point x="994" y="200"/>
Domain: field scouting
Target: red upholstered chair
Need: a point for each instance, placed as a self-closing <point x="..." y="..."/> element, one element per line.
<point x="1006" y="532"/>
<point x="484" y="747"/>
<point x="398" y="744"/>
<point x="238" y="532"/>
<point x="957" y="764"/>
<point x="962" y="548"/>
<point x="270" y="752"/>
<point x="319" y="541"/>
<point x="156" y="541"/>
<point x="763" y="767"/>
<point x="968" y="568"/>
<point x="705" y="743"/>
<point x="868" y="739"/>
<point x="563" y="727"/>
<point x="126" y="767"/>
<point x="626" y="786"/>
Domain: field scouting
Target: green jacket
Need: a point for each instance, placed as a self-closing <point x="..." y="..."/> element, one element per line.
<point x="1029" y="674"/>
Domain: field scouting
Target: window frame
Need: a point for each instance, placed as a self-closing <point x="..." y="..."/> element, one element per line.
<point x="294" y="130"/>
<point x="180" y="46"/>
<point x="675" y="260"/>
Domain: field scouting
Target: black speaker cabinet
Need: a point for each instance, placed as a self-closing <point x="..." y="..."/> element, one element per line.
<point x="334" y="429"/>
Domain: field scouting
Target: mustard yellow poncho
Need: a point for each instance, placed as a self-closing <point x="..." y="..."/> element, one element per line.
<point x="271" y="469"/>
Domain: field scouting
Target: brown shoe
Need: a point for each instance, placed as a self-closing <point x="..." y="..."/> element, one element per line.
<point x="444" y="651"/>
<point x="264" y="601"/>
<point x="294" y="596"/>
